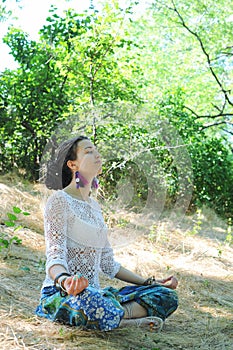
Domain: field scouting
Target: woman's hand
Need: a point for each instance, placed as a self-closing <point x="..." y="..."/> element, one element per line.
<point x="169" y="282"/>
<point x="75" y="285"/>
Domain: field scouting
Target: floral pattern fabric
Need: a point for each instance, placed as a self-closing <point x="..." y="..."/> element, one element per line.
<point x="103" y="309"/>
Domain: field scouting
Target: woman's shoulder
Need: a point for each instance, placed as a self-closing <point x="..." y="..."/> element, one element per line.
<point x="95" y="204"/>
<point x="56" y="198"/>
<point x="61" y="198"/>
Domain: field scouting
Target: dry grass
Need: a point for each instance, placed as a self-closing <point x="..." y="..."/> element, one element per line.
<point x="203" y="263"/>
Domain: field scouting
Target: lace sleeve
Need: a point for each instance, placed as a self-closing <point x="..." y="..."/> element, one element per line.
<point x="55" y="221"/>
<point x="108" y="265"/>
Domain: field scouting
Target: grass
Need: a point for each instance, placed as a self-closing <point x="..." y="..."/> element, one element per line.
<point x="202" y="321"/>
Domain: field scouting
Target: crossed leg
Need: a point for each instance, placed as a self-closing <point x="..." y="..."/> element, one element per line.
<point x="136" y="315"/>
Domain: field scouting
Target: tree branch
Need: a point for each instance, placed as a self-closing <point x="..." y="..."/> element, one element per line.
<point x="214" y="124"/>
<point x="224" y="91"/>
<point x="29" y="127"/>
<point x="228" y="131"/>
<point x="220" y="114"/>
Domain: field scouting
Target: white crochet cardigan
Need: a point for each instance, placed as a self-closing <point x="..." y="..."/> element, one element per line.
<point x="76" y="238"/>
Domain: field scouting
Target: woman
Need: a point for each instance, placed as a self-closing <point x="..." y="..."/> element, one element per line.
<point x="77" y="248"/>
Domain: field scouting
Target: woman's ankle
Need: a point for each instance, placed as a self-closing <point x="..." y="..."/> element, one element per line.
<point x="134" y="310"/>
<point x="151" y="323"/>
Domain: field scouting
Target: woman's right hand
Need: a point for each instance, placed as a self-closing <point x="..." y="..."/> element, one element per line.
<point x="169" y="282"/>
<point x="75" y="285"/>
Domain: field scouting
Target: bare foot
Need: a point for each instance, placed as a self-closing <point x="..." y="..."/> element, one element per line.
<point x="151" y="323"/>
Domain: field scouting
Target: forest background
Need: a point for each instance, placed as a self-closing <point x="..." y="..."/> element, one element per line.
<point x="175" y="60"/>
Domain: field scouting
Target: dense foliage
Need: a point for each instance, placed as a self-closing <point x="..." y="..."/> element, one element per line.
<point x="159" y="86"/>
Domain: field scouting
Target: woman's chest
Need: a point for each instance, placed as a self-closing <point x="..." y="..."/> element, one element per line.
<point x="86" y="227"/>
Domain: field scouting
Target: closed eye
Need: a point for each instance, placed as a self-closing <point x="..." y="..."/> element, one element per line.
<point x="89" y="149"/>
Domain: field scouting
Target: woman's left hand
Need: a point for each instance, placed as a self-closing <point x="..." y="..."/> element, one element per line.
<point x="169" y="282"/>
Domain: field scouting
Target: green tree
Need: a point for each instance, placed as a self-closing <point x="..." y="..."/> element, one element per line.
<point x="33" y="96"/>
<point x="210" y="156"/>
<point x="73" y="64"/>
<point x="188" y="45"/>
<point x="89" y="49"/>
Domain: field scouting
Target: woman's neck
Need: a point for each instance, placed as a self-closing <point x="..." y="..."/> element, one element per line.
<point x="82" y="193"/>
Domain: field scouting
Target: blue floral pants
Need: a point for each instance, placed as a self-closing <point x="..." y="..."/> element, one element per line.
<point x="103" y="309"/>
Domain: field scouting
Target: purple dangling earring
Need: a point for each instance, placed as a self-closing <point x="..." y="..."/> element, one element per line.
<point x="95" y="183"/>
<point x="80" y="180"/>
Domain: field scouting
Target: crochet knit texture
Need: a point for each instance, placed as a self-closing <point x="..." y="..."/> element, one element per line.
<point x="76" y="238"/>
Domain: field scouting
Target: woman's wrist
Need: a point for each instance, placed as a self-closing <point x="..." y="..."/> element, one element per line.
<point x="59" y="280"/>
<point x="150" y="281"/>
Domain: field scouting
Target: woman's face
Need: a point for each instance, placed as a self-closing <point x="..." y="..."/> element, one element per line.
<point x="88" y="159"/>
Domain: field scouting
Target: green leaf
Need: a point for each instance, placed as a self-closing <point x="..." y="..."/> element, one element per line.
<point x="25" y="268"/>
<point x="9" y="223"/>
<point x="4" y="243"/>
<point x="16" y="240"/>
<point x="25" y="213"/>
<point x="18" y="228"/>
<point x="16" y="210"/>
<point x="12" y="217"/>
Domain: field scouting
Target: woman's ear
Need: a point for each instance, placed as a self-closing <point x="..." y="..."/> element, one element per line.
<point x="72" y="165"/>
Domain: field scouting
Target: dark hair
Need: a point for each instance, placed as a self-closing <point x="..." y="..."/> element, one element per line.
<point x="58" y="174"/>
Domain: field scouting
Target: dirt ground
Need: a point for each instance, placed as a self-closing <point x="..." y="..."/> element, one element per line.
<point x="195" y="251"/>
